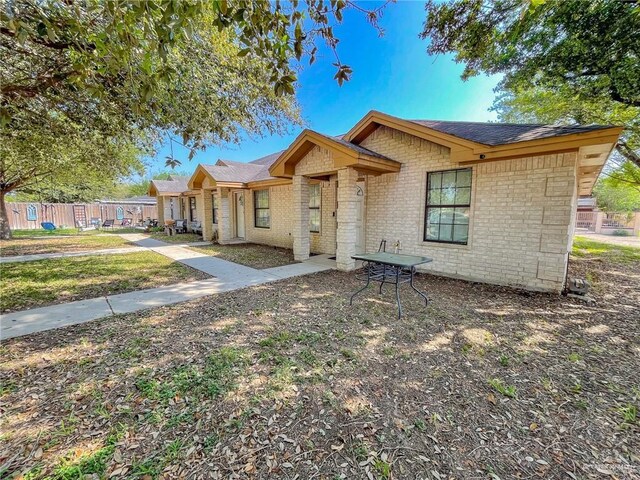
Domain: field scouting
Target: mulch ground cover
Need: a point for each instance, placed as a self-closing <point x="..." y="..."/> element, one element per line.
<point x="286" y="380"/>
<point x="250" y="254"/>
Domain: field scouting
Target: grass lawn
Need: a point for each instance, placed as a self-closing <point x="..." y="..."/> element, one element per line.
<point x="56" y="244"/>
<point x="180" y="238"/>
<point x="584" y="247"/>
<point x="44" y="282"/>
<point x="286" y="380"/>
<point x="250" y="254"/>
<point x="41" y="232"/>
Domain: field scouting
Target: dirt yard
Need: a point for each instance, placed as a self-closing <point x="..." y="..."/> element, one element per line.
<point x="286" y="380"/>
<point x="250" y="254"/>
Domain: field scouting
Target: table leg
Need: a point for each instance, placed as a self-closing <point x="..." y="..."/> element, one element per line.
<point x="363" y="288"/>
<point x="426" y="300"/>
<point x="384" y="275"/>
<point x="398" y="292"/>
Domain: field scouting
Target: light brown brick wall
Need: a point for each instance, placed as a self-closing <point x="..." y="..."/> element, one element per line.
<point x="280" y="208"/>
<point x="521" y="213"/>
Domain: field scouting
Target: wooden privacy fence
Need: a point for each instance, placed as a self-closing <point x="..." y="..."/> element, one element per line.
<point x="25" y="215"/>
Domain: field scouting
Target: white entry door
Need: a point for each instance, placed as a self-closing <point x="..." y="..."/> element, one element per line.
<point x="360" y="217"/>
<point x="239" y="201"/>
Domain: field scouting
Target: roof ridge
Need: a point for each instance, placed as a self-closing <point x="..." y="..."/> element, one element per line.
<point x="547" y="125"/>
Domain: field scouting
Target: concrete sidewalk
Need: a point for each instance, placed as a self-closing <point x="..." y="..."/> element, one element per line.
<point x="44" y="256"/>
<point x="228" y="276"/>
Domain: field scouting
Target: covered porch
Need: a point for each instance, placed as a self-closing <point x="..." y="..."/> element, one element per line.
<point x="340" y="165"/>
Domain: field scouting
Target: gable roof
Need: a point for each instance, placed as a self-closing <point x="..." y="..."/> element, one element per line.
<point x="345" y="154"/>
<point x="175" y="184"/>
<point x="233" y="172"/>
<point x="504" y="133"/>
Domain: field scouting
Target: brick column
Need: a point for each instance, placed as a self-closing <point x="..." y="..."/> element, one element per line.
<point x="598" y="226"/>
<point x="207" y="215"/>
<point x="224" y="216"/>
<point x="160" y="208"/>
<point x="300" y="218"/>
<point x="347" y="214"/>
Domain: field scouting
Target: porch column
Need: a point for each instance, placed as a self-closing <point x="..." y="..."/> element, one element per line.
<point x="207" y="215"/>
<point x="347" y="215"/>
<point x="598" y="225"/>
<point x="160" y="209"/>
<point x="300" y="218"/>
<point x="224" y="216"/>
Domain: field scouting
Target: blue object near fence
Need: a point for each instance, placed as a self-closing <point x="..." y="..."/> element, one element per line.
<point x="48" y="226"/>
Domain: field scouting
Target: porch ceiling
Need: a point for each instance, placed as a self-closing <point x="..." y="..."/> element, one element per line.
<point x="344" y="154"/>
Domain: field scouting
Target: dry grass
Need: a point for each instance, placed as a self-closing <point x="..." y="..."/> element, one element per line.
<point x="287" y="380"/>
<point x="45" y="282"/>
<point x="250" y="254"/>
<point x="58" y="244"/>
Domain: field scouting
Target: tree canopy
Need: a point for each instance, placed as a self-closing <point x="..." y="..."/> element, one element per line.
<point x="591" y="46"/>
<point x="94" y="81"/>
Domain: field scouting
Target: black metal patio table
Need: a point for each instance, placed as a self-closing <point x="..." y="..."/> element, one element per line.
<point x="393" y="268"/>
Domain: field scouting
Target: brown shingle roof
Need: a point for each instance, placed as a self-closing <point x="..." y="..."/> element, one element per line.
<point x="504" y="133"/>
<point x="176" y="184"/>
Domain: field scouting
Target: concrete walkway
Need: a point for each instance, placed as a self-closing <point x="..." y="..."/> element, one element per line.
<point x="228" y="276"/>
<point x="45" y="256"/>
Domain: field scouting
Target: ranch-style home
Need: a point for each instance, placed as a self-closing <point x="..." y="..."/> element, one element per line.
<point x="175" y="200"/>
<point x="489" y="202"/>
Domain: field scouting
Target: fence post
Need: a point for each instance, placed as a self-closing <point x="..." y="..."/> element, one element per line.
<point x="598" y="225"/>
<point x="636" y="224"/>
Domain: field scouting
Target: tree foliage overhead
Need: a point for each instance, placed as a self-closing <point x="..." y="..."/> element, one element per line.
<point x="96" y="80"/>
<point x="591" y="46"/>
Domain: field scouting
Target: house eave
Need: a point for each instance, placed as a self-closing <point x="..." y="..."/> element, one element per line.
<point x="343" y="156"/>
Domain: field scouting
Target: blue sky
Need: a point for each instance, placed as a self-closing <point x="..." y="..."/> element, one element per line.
<point x="392" y="74"/>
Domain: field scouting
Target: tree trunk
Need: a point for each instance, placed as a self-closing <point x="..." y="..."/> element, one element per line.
<point x="5" y="230"/>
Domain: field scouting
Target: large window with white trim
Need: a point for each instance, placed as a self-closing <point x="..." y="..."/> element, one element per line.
<point x="448" y="205"/>
<point x="314" y="207"/>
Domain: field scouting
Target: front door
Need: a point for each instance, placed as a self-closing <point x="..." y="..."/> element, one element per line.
<point x="239" y="207"/>
<point x="360" y="217"/>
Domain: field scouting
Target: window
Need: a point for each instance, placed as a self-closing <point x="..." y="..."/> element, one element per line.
<point x="193" y="211"/>
<point x="314" y="208"/>
<point x="119" y="213"/>
<point x="447" y="207"/>
<point x="32" y="213"/>
<point x="171" y="206"/>
<point x="261" y="208"/>
<point x="214" y="207"/>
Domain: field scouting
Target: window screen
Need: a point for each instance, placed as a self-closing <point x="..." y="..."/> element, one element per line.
<point x="314" y="207"/>
<point x="261" y="208"/>
<point x="447" y="206"/>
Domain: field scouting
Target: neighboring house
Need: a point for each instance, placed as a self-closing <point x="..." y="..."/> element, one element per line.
<point x="587" y="204"/>
<point x="488" y="202"/>
<point x="176" y="201"/>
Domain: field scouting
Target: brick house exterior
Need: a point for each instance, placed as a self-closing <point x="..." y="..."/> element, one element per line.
<point x="488" y="202"/>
